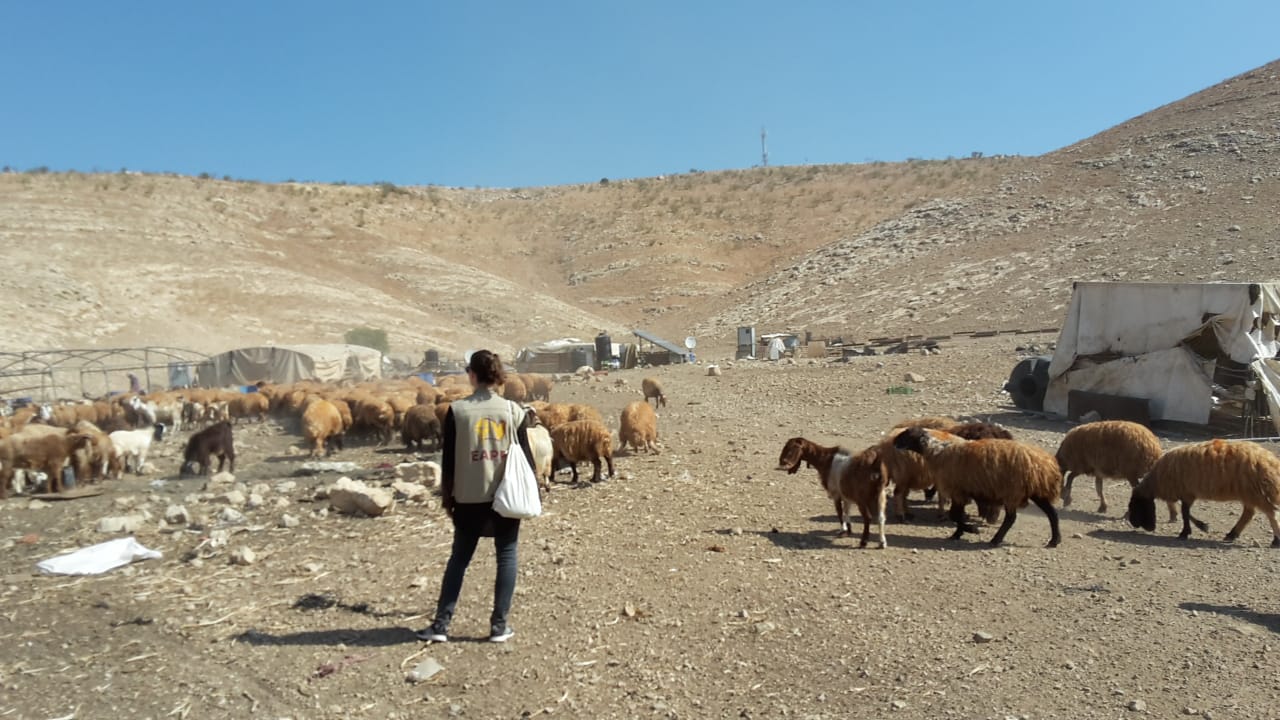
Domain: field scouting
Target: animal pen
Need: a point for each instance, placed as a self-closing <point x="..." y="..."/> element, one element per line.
<point x="45" y="375"/>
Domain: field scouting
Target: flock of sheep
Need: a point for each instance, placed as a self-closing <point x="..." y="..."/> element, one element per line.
<point x="979" y="462"/>
<point x="101" y="439"/>
<point x="960" y="462"/>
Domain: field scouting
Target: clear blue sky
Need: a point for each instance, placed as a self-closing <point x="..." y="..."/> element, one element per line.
<point x="500" y="93"/>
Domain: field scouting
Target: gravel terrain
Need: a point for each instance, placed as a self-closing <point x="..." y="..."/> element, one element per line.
<point x="700" y="582"/>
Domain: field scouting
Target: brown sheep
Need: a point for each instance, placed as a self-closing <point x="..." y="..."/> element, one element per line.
<point x="442" y="412"/>
<point x="848" y="479"/>
<point x="653" y="391"/>
<point x="420" y="425"/>
<point x="427" y="395"/>
<point x="1003" y="472"/>
<point x="554" y="414"/>
<point x="580" y="441"/>
<point x="578" y="411"/>
<point x="98" y="459"/>
<point x="250" y="405"/>
<point x="1109" y="449"/>
<point x="538" y="386"/>
<point x="344" y="410"/>
<point x="42" y="451"/>
<point x="374" y="417"/>
<point x="514" y="389"/>
<point x="639" y="427"/>
<point x="1215" y="470"/>
<point x="400" y="404"/>
<point x="908" y="471"/>
<point x="322" y="427"/>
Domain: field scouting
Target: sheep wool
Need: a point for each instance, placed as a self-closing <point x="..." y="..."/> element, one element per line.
<point x="582" y="441"/>
<point x="1003" y="472"/>
<point x="639" y="427"/>
<point x="1108" y="449"/>
<point x="1215" y="470"/>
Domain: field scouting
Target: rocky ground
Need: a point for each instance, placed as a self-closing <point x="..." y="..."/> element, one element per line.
<point x="701" y="582"/>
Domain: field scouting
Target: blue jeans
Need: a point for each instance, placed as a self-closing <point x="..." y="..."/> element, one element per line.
<point x="465" y="540"/>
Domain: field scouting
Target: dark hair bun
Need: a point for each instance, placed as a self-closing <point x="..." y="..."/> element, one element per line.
<point x="487" y="367"/>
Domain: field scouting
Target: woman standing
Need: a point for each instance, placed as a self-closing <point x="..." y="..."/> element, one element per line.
<point x="478" y="432"/>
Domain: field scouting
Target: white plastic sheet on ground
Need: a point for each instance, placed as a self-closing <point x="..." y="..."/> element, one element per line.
<point x="1268" y="372"/>
<point x="97" y="559"/>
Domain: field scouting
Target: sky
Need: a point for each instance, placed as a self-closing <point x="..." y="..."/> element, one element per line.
<point x="518" y="94"/>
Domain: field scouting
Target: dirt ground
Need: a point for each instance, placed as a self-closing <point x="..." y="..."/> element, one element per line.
<point x="701" y="582"/>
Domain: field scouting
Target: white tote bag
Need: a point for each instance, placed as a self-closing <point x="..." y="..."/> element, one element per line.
<point x="517" y="494"/>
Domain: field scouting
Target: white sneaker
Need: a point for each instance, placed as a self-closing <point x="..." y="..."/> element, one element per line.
<point x="501" y="635"/>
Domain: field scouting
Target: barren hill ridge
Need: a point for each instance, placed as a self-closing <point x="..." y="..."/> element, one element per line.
<point x="1187" y="191"/>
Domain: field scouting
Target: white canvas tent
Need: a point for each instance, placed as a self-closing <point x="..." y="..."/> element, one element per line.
<point x="290" y="364"/>
<point x="569" y="354"/>
<point x="1165" y="343"/>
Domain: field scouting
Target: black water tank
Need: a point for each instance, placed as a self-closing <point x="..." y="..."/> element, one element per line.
<point x="432" y="357"/>
<point x="1028" y="383"/>
<point x="580" y="356"/>
<point x="604" y="350"/>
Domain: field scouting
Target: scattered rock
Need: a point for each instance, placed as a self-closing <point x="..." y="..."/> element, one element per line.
<point x="122" y="524"/>
<point x="981" y="637"/>
<point x="37" y="504"/>
<point x="423" y="473"/>
<point x="764" y="628"/>
<point x="713" y="371"/>
<point x="1137" y="706"/>
<point x="355" y="497"/>
<point x="898" y="705"/>
<point x="255" y="501"/>
<point x="231" y="516"/>
<point x="1233" y="228"/>
<point x="243" y="556"/>
<point x="262" y="489"/>
<point x="293" y="451"/>
<point x="408" y="490"/>
<point x="289" y="521"/>
<point x="424" y="671"/>
<point x="234" y="498"/>
<point x="286" y="487"/>
<point x="913" y="378"/>
<point x="222" y="478"/>
<point x="177" y="515"/>
<point x="315" y="467"/>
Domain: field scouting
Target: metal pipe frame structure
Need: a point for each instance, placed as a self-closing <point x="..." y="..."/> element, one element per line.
<point x="52" y="372"/>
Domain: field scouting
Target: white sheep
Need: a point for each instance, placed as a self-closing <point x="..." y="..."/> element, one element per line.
<point x="135" y="444"/>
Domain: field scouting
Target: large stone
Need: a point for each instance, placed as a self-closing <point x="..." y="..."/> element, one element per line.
<point x="288" y="521"/>
<point x="243" y="556"/>
<point x="235" y="498"/>
<point x="423" y="473"/>
<point x="408" y="490"/>
<point x="425" y="670"/>
<point x="121" y="524"/>
<point x="254" y="501"/>
<point x="177" y="515"/>
<point x="231" y="516"/>
<point x="223" y="478"/>
<point x="913" y="378"/>
<point x="354" y="497"/>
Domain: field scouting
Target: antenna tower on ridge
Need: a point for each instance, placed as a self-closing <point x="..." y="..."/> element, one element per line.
<point x="764" y="148"/>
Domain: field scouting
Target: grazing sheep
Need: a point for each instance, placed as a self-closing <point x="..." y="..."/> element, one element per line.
<point x="427" y="395"/>
<point x="538" y="386"/>
<point x="375" y="417"/>
<point x="1215" y="470"/>
<point x="578" y="411"/>
<point x="554" y="414"/>
<point x="202" y="446"/>
<point x="847" y="479"/>
<point x="419" y="426"/>
<point x="580" y="441"/>
<point x="1109" y="449"/>
<point x="135" y="444"/>
<point x="514" y="389"/>
<point x="653" y="391"/>
<point x="98" y="459"/>
<point x="40" y="451"/>
<point x="543" y="452"/>
<point x="442" y="412"/>
<point x="639" y="427"/>
<point x="344" y="411"/>
<point x="1003" y="472"/>
<point x="908" y="471"/>
<point x="255" y="404"/>
<point x="322" y="427"/>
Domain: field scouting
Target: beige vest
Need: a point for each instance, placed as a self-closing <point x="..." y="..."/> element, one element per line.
<point x="484" y="432"/>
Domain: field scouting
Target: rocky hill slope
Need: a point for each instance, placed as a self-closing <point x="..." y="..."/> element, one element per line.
<point x="1186" y="192"/>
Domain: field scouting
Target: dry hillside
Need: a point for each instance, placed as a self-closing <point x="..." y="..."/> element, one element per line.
<point x="1187" y="191"/>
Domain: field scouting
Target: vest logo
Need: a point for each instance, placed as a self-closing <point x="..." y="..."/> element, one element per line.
<point x="486" y="429"/>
